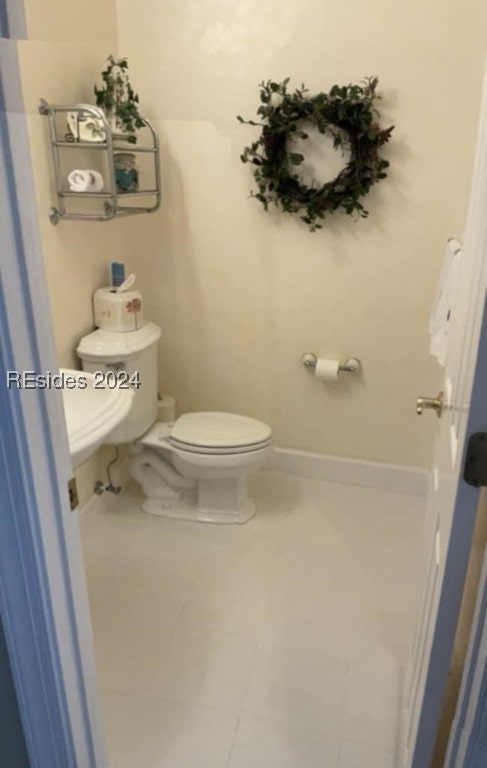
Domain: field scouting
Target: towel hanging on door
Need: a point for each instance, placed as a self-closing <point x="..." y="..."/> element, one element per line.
<point x="439" y="323"/>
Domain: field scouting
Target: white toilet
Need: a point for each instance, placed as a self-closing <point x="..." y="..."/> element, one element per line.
<point x="194" y="468"/>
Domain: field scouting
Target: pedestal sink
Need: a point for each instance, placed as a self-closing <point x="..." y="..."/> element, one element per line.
<point x="92" y="411"/>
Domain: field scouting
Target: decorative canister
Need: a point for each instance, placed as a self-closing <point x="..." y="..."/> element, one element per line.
<point x="120" y="312"/>
<point x="126" y="173"/>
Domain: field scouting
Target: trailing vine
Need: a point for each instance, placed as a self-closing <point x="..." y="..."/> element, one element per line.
<point x="118" y="99"/>
<point x="347" y="113"/>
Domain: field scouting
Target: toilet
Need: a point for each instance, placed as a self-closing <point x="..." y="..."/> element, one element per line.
<point x="194" y="468"/>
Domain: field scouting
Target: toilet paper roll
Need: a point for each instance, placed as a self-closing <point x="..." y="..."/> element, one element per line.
<point x="166" y="408"/>
<point x="327" y="370"/>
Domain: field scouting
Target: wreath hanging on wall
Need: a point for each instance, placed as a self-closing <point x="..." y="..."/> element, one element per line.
<point x="347" y="113"/>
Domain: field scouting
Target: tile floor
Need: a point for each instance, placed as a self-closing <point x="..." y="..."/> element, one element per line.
<point x="277" y="644"/>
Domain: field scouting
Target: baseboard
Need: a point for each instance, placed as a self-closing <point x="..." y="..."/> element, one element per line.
<point x="319" y="466"/>
<point x="391" y="477"/>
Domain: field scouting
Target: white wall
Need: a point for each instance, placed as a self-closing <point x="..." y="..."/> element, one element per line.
<point x="241" y="294"/>
<point x="67" y="48"/>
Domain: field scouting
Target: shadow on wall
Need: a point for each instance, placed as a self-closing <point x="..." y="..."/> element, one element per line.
<point x="173" y="292"/>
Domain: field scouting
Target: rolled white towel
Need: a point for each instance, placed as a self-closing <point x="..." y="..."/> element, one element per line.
<point x="97" y="183"/>
<point x="79" y="181"/>
<point x="85" y="181"/>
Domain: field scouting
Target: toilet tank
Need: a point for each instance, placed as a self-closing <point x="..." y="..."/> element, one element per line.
<point x="134" y="354"/>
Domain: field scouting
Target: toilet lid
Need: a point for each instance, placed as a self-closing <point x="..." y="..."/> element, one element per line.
<point x="219" y="432"/>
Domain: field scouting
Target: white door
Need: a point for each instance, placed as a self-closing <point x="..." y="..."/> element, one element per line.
<point x="452" y="503"/>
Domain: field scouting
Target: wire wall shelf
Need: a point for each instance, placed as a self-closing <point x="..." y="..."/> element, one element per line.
<point x="80" y="135"/>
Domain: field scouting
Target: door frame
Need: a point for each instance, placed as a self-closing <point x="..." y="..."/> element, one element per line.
<point x="43" y="598"/>
<point x="12" y="19"/>
<point x="469" y="721"/>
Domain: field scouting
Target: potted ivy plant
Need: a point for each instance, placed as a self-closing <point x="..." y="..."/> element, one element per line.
<point x="118" y="99"/>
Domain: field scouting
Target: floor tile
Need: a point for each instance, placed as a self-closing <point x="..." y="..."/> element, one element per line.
<point x="229" y="603"/>
<point x="366" y="754"/>
<point x="297" y="681"/>
<point x="371" y="711"/>
<point x="124" y="593"/>
<point x="231" y="585"/>
<point x="266" y="741"/>
<point x="284" y="637"/>
<point x="158" y="733"/>
<point x="208" y="668"/>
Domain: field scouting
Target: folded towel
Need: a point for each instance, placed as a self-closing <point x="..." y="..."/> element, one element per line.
<point x="85" y="181"/>
<point x="439" y="323"/>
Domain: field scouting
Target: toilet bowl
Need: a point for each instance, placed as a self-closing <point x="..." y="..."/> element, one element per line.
<point x="194" y="468"/>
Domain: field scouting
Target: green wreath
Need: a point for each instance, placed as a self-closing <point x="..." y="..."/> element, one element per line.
<point x="348" y="114"/>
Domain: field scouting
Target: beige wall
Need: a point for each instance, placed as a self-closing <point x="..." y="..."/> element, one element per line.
<point x="63" y="20"/>
<point x="66" y="50"/>
<point x="76" y="253"/>
<point x="241" y="294"/>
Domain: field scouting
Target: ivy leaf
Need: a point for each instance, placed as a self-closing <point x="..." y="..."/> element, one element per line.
<point x="348" y="115"/>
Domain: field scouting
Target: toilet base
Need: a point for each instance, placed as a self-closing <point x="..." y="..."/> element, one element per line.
<point x="191" y="506"/>
<point x="196" y="487"/>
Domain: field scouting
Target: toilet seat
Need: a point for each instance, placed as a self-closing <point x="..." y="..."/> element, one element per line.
<point x="188" y="448"/>
<point x="218" y="433"/>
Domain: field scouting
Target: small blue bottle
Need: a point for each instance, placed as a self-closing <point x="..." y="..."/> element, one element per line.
<point x="117" y="273"/>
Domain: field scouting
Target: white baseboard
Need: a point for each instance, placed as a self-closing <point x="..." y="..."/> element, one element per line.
<point x="390" y="477"/>
<point x="318" y="466"/>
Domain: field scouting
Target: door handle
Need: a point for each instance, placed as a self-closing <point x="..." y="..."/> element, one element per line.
<point x="435" y="403"/>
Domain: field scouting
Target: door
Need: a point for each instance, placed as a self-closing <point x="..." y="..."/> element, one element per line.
<point x="451" y="504"/>
<point x="468" y="739"/>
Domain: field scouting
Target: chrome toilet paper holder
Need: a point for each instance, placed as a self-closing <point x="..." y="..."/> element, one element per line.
<point x="351" y="364"/>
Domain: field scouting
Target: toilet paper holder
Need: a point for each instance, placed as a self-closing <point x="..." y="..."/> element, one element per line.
<point x="351" y="364"/>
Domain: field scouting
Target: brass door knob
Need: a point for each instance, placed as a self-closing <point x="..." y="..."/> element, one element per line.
<point x="436" y="403"/>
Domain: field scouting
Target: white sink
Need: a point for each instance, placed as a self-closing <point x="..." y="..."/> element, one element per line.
<point x="91" y="414"/>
